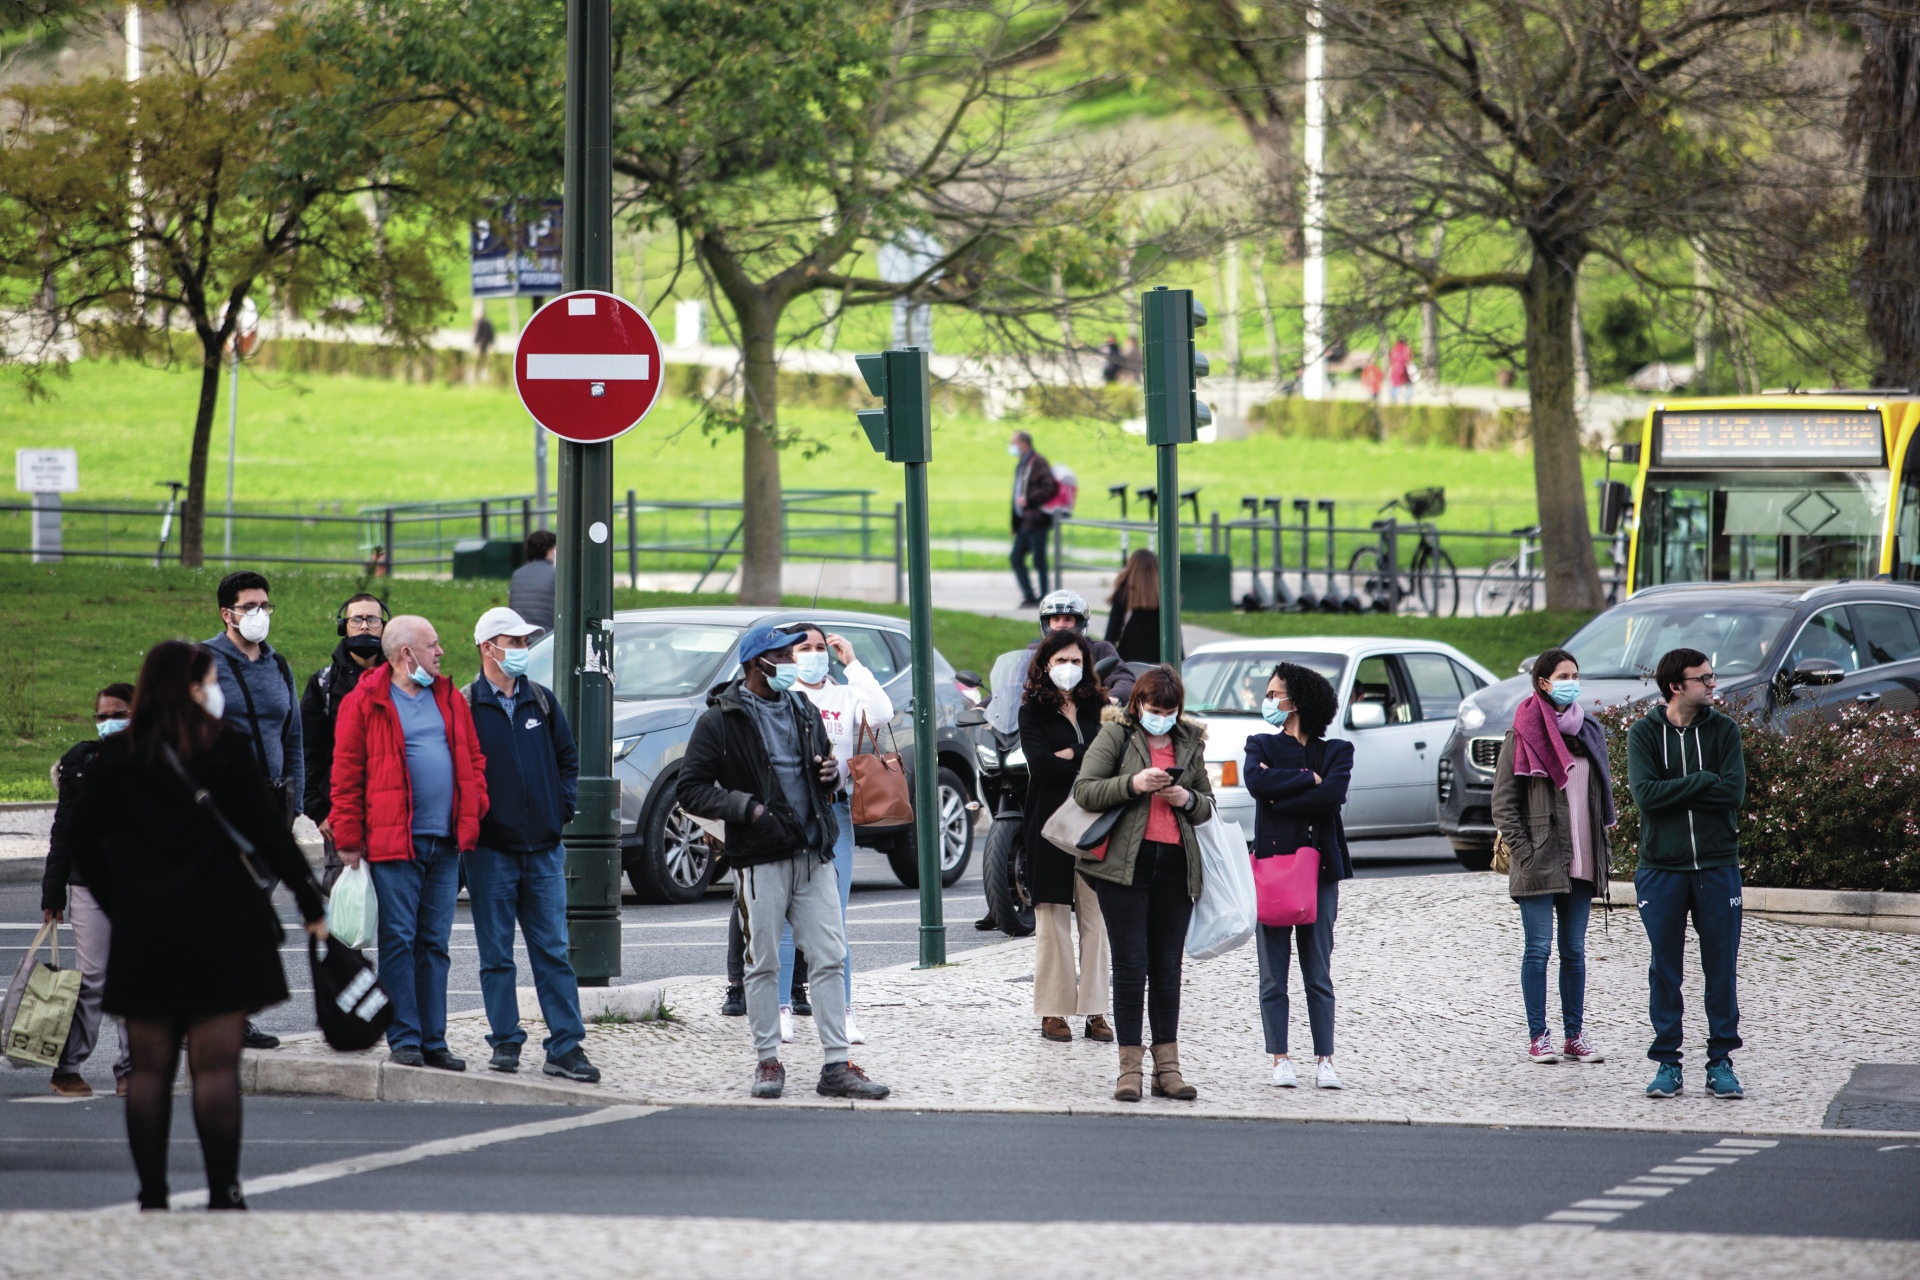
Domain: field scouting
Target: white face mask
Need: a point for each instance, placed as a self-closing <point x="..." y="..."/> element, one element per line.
<point x="253" y="626"/>
<point x="216" y="700"/>
<point x="1065" y="676"/>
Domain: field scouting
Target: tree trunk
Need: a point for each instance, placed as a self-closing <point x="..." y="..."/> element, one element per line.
<point x="760" y="454"/>
<point x="1430" y="314"/>
<point x="1884" y="121"/>
<point x="193" y="517"/>
<point x="1566" y="548"/>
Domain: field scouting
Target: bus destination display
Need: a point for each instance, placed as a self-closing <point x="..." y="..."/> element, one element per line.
<point x="1768" y="437"/>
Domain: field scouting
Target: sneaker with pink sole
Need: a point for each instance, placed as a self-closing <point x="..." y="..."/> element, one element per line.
<point x="1581" y="1049"/>
<point x="1540" y="1048"/>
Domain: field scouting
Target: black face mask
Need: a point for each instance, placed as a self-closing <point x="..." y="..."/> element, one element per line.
<point x="363" y="646"/>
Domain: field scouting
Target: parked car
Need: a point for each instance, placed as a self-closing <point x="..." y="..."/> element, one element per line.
<point x="664" y="663"/>
<point x="1397" y="702"/>
<point x="1790" y="651"/>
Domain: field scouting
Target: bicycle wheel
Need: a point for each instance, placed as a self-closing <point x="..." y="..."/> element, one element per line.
<point x="1365" y="579"/>
<point x="1500" y="589"/>
<point x="1436" y="584"/>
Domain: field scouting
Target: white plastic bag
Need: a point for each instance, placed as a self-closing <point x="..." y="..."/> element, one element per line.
<point x="1226" y="913"/>
<point x="353" y="912"/>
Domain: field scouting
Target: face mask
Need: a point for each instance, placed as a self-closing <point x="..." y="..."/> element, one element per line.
<point x="784" y="674"/>
<point x="1563" y="692"/>
<point x="421" y="678"/>
<point x="107" y="728"/>
<point x="1156" y="724"/>
<point x="1270" y="712"/>
<point x="216" y="703"/>
<point x="1013" y="450"/>
<point x="514" y="661"/>
<point x="1065" y="676"/>
<point x="364" y="646"/>
<point x="812" y="666"/>
<point x="253" y="626"/>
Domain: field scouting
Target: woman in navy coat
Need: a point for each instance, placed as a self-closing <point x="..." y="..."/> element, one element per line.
<point x="1298" y="779"/>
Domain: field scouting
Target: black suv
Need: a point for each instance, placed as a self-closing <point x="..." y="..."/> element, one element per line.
<point x="1784" y="649"/>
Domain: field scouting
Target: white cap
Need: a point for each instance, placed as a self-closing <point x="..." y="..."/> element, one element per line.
<point x="501" y="622"/>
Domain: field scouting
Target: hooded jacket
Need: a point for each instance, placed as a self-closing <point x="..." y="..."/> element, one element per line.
<point x="1689" y="784"/>
<point x="372" y="792"/>
<point x="727" y="771"/>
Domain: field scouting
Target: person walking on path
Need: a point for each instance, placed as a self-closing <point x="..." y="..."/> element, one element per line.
<point x="1400" y="372"/>
<point x="518" y="871"/>
<point x="257" y="686"/>
<point x="530" y="589"/>
<point x="1553" y="804"/>
<point x="409" y="790"/>
<point x="1033" y="487"/>
<point x="1298" y="780"/>
<point x="64" y="896"/>
<point x="759" y="760"/>
<point x="1150" y="875"/>
<point x="1059" y="718"/>
<point x="359" y="624"/>
<point x="1689" y="777"/>
<point x="1133" y="610"/>
<point x="195" y="945"/>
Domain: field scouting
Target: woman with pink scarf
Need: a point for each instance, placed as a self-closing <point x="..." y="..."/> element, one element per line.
<point x="1553" y="804"/>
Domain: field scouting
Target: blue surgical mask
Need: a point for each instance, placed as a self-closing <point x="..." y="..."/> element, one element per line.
<point x="1270" y="712"/>
<point x="107" y="728"/>
<point x="784" y="674"/>
<point x="1014" y="450"/>
<point x="812" y="666"/>
<point x="420" y="678"/>
<point x="1156" y="724"/>
<point x="1564" y="692"/>
<point x="514" y="661"/>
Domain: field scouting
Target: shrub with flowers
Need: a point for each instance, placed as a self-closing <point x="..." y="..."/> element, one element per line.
<point x="1829" y="805"/>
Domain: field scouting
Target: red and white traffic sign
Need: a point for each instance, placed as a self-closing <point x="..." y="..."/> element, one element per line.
<point x="587" y="366"/>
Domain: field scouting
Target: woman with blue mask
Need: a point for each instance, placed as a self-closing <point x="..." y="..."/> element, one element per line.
<point x="1151" y="763"/>
<point x="1552" y="805"/>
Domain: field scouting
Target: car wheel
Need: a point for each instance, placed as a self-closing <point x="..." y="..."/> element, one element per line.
<point x="672" y="862"/>
<point x="1004" y="871"/>
<point x="955" y="827"/>
<point x="1474" y="857"/>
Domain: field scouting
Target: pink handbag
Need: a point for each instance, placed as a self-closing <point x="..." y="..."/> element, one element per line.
<point x="1286" y="887"/>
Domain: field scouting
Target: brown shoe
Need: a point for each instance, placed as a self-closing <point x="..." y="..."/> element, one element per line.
<point x="68" y="1084"/>
<point x="1166" y="1074"/>
<point x="120" y="1087"/>
<point x="1097" y="1029"/>
<point x="1127" y="1087"/>
<point x="1056" y="1029"/>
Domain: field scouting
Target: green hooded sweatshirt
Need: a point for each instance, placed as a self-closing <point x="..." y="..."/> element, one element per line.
<point x="1688" y="784"/>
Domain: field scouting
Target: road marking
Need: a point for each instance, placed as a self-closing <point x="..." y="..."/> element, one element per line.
<point x="1693" y="1170"/>
<point x="1708" y="1159"/>
<point x="1637" y="1191"/>
<point x="1661" y="1181"/>
<point x="1898" y="1146"/>
<point x="1580" y="1215"/>
<point x="408" y="1155"/>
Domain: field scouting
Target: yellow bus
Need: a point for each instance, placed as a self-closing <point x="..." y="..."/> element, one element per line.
<point x="1800" y="486"/>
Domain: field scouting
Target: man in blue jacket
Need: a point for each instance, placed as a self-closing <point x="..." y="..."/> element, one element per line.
<point x="518" y="871"/>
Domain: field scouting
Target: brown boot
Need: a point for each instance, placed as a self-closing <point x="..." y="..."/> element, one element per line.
<point x="1166" y="1074"/>
<point x="1127" y="1087"/>
<point x="1097" y="1029"/>
<point x="1056" y="1029"/>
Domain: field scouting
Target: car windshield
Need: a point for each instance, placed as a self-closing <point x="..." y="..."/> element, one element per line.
<point x="1233" y="684"/>
<point x="1624" y="644"/>
<point x="655" y="659"/>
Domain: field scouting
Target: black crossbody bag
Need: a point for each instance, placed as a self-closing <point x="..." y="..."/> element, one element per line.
<point x="249" y="855"/>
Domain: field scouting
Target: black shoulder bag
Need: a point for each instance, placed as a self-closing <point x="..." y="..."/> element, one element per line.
<point x="263" y="879"/>
<point x="280" y="788"/>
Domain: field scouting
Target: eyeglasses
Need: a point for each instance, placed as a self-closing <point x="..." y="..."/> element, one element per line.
<point x="370" y="622"/>
<point x="1709" y="680"/>
<point x="245" y="609"/>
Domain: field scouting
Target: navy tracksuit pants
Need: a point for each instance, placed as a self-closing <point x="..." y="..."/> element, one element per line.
<point x="1711" y="898"/>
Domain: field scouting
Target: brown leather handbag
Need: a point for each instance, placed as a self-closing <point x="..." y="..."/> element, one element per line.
<point x="881" y="797"/>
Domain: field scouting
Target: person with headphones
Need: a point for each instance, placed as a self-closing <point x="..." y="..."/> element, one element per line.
<point x="359" y="623"/>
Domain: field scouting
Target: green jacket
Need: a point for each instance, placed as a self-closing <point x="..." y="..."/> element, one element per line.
<point x="1688" y="784"/>
<point x="1106" y="782"/>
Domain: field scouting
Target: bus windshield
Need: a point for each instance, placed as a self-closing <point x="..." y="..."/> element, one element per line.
<point x="1626" y="643"/>
<point x="1760" y="527"/>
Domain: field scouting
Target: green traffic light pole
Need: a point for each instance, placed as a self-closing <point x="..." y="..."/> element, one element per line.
<point x="583" y="584"/>
<point x="1168" y="318"/>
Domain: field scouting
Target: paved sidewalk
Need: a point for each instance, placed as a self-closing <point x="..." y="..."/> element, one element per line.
<point x="1430" y="1028"/>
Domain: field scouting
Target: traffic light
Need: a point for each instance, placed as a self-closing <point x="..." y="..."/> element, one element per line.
<point x="902" y="428"/>
<point x="1168" y="320"/>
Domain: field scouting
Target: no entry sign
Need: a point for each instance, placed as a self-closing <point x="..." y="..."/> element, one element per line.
<point x="588" y="366"/>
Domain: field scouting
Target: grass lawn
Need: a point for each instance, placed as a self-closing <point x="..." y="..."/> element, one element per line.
<point x="1499" y="643"/>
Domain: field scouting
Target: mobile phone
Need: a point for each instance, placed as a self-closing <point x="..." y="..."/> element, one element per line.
<point x="1173" y="775"/>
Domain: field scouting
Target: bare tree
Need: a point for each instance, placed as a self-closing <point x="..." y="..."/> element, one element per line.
<point x="1883" y="124"/>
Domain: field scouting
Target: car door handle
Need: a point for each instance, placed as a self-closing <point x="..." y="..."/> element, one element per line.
<point x="1867" y="697"/>
<point x="1421" y="746"/>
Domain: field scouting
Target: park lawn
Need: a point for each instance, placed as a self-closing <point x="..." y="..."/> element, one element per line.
<point x="1498" y="643"/>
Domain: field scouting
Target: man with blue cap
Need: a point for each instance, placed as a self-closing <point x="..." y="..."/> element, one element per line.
<point x="760" y="761"/>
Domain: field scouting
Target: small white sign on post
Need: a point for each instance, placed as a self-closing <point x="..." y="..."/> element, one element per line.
<point x="46" y="474"/>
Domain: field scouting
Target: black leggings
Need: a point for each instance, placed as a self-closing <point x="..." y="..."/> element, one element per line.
<point x="213" y="1059"/>
<point x="1147" y="930"/>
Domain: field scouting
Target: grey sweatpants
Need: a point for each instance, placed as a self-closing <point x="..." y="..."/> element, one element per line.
<point x="91" y="936"/>
<point x="805" y="893"/>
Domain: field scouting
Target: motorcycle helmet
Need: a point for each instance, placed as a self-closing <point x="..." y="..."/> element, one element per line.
<point x="1064" y="602"/>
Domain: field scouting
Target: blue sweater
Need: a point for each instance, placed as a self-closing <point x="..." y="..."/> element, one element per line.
<point x="274" y="702"/>
<point x="533" y="767"/>
<point x="1288" y="803"/>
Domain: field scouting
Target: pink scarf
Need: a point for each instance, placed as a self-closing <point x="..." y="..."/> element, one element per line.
<point x="1538" y="749"/>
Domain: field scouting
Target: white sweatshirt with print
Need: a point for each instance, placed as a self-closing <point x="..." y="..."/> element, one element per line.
<point x="842" y="706"/>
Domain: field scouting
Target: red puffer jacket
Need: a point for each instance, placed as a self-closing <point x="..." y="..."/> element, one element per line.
<point x="372" y="795"/>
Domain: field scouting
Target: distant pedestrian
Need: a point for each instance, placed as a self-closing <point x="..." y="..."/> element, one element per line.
<point x="483" y="337"/>
<point x="257" y="687"/>
<point x="195" y="946"/>
<point x="530" y="590"/>
<point x="1553" y="804"/>
<point x="1150" y="875"/>
<point x="409" y="790"/>
<point x="1133" y="609"/>
<point x="1033" y="487"/>
<point x="1372" y="378"/>
<point x="1298" y="779"/>
<point x="760" y="760"/>
<point x="64" y="896"/>
<point x="1130" y="362"/>
<point x="359" y="623"/>
<point x="1689" y="778"/>
<point x="518" y="871"/>
<point x="1400" y="372"/>
<point x="1059" y="719"/>
<point x="1114" y="361"/>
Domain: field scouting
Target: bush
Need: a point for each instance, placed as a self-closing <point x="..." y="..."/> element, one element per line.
<point x="1828" y="806"/>
<point x="1449" y="426"/>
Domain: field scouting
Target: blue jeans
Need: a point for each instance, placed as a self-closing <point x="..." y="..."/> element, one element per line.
<point x="416" y="900"/>
<point x="1712" y="899"/>
<point x="1537" y="912"/>
<point x="843" y="867"/>
<point x="1275" y="947"/>
<point x="1025" y="542"/>
<point x="530" y="888"/>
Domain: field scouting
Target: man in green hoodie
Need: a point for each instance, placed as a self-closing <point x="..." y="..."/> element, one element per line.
<point x="1688" y="777"/>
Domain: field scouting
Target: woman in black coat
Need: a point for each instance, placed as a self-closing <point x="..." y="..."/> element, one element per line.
<point x="1298" y="779"/>
<point x="1133" y="610"/>
<point x="196" y="940"/>
<point x="1059" y="718"/>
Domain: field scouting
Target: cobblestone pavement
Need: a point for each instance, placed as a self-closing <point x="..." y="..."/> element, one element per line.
<point x="215" y="1246"/>
<point x="1430" y="1027"/>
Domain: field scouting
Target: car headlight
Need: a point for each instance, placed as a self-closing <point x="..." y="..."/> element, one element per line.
<point x="988" y="756"/>
<point x="1471" y="716"/>
<point x="1223" y="773"/>
<point x="623" y="747"/>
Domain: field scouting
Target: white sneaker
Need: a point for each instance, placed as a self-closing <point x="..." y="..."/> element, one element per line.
<point x="1325" y="1078"/>
<point x="1283" y="1077"/>
<point x="786" y="1025"/>
<point x="853" y="1029"/>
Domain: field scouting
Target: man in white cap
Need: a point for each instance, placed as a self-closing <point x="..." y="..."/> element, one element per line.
<point x="518" y="869"/>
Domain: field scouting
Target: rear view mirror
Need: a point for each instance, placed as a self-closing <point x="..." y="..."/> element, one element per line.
<point x="970" y="679"/>
<point x="1107" y="665"/>
<point x="1615" y="498"/>
<point x="971" y="718"/>
<point x="1366" y="715"/>
<point x="1813" y="672"/>
<point x="1526" y="664"/>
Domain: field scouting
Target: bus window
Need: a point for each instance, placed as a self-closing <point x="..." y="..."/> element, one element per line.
<point x="1749" y="528"/>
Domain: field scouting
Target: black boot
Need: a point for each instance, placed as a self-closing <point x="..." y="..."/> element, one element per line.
<point x="735" y="1005"/>
<point x="986" y="923"/>
<point x="254" y="1038"/>
<point x="802" y="1008"/>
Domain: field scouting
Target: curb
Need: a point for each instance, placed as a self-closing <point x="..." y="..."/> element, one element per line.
<point x="1874" y="911"/>
<point x="27" y="870"/>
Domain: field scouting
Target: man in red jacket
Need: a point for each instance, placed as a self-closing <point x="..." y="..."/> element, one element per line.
<point x="409" y="789"/>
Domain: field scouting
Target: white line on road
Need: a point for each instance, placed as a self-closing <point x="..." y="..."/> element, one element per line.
<point x="1623" y="1199"/>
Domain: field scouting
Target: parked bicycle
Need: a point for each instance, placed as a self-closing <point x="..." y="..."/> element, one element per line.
<point x="1508" y="585"/>
<point x="1429" y="581"/>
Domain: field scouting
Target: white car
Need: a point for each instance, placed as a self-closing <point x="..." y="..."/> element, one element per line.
<point x="1397" y="702"/>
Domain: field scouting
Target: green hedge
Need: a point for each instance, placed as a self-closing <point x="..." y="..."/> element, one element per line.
<point x="1451" y="426"/>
